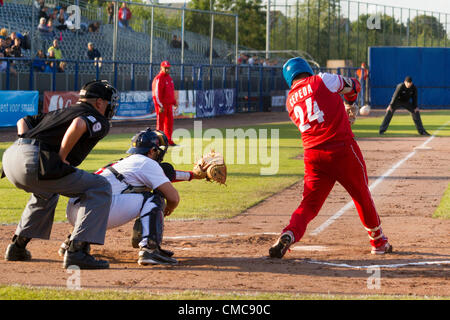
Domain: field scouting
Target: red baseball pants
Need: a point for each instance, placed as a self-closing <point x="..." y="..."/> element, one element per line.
<point x="164" y="121"/>
<point x="342" y="162"/>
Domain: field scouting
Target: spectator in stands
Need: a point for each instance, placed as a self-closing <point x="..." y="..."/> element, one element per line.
<point x="62" y="67"/>
<point x="253" y="60"/>
<point x="94" y="54"/>
<point x="43" y="13"/>
<point x="3" y="45"/>
<point x="50" y="26"/>
<point x="39" y="63"/>
<point x="11" y="38"/>
<point x="110" y="10"/>
<point x="60" y="21"/>
<point x="50" y="63"/>
<point x="243" y="59"/>
<point x="124" y="15"/>
<point x="56" y="50"/>
<point x="94" y="26"/>
<point x="42" y="27"/>
<point x="4" y="65"/>
<point x="62" y="14"/>
<point x="16" y="49"/>
<point x="175" y="43"/>
<point x="362" y="73"/>
<point x="53" y="16"/>
<point x="3" y="33"/>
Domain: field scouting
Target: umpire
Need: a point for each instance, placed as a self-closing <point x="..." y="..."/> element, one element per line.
<point x="405" y="96"/>
<point x="43" y="161"/>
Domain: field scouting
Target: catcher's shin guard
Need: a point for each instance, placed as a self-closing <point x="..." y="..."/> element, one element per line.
<point x="149" y="227"/>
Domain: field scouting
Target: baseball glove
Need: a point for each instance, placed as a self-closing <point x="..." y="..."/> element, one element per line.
<point x="352" y="111"/>
<point x="211" y="167"/>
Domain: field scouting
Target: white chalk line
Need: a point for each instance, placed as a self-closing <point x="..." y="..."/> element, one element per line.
<point x="392" y="266"/>
<point x="350" y="204"/>
<point x="226" y="235"/>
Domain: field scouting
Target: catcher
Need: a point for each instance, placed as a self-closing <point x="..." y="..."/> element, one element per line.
<point x="141" y="188"/>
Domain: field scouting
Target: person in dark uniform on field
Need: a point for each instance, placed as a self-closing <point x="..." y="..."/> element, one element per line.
<point x="405" y="96"/>
<point x="43" y="161"/>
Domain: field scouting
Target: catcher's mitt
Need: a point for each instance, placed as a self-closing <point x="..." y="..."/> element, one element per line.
<point x="352" y="111"/>
<point x="211" y="167"/>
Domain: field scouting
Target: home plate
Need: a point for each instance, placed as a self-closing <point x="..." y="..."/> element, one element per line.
<point x="310" y="248"/>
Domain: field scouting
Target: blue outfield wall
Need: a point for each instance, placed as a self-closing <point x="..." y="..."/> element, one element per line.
<point x="429" y="68"/>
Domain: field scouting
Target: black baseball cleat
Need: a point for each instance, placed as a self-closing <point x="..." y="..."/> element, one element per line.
<point x="155" y="256"/>
<point x="166" y="252"/>
<point x="281" y="246"/>
<point x="381" y="132"/>
<point x="424" y="133"/>
<point x="77" y="255"/>
<point x="65" y="246"/>
<point x="15" y="253"/>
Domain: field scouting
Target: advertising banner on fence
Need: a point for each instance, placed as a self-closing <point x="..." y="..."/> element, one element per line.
<point x="55" y="100"/>
<point x="136" y="105"/>
<point x="15" y="105"/>
<point x="215" y="102"/>
<point x="133" y="105"/>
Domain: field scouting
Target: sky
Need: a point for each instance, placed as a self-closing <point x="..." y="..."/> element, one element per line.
<point x="428" y="5"/>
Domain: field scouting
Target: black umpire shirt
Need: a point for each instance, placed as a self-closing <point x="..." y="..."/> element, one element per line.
<point x="404" y="95"/>
<point x="50" y="128"/>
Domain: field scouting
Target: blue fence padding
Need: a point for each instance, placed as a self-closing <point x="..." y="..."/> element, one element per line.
<point x="428" y="68"/>
<point x="15" y="105"/>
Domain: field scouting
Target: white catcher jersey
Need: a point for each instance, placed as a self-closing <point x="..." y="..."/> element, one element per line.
<point x="138" y="170"/>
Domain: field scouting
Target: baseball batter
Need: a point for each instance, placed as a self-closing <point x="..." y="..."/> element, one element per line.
<point x="141" y="185"/>
<point x="331" y="153"/>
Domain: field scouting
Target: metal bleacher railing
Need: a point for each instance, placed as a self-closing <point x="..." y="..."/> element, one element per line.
<point x="131" y="69"/>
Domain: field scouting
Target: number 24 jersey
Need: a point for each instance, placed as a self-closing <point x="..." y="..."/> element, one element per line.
<point x="318" y="111"/>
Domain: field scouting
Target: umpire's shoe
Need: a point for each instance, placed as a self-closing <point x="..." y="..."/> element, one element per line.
<point x="282" y="245"/>
<point x="155" y="256"/>
<point x="77" y="255"/>
<point x="16" y="251"/>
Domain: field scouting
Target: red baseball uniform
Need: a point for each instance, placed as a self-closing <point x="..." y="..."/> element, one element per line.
<point x="163" y="93"/>
<point x="331" y="153"/>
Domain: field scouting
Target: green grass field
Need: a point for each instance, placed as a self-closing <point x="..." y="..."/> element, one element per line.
<point x="245" y="187"/>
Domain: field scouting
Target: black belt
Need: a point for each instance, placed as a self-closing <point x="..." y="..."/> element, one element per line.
<point x="33" y="142"/>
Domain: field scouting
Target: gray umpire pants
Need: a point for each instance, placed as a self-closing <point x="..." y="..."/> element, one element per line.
<point x="21" y="163"/>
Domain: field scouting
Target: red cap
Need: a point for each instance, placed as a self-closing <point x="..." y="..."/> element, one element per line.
<point x="165" y="64"/>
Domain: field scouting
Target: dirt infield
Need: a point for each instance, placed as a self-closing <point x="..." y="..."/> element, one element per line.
<point x="231" y="255"/>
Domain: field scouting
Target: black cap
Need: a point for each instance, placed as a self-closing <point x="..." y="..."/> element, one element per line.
<point x="408" y="79"/>
<point x="98" y="89"/>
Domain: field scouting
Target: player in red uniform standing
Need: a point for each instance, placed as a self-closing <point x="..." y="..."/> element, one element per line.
<point x="331" y="153"/>
<point x="163" y="93"/>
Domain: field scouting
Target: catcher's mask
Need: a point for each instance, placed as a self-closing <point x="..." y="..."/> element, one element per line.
<point x="293" y="67"/>
<point x="148" y="140"/>
<point x="103" y="90"/>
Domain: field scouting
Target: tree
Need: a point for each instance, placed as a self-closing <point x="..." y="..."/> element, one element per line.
<point x="251" y="21"/>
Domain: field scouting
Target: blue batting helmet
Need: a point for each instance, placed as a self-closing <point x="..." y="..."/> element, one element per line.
<point x="293" y="67"/>
<point x="149" y="139"/>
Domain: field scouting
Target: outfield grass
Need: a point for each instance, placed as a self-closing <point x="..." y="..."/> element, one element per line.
<point x="245" y="185"/>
